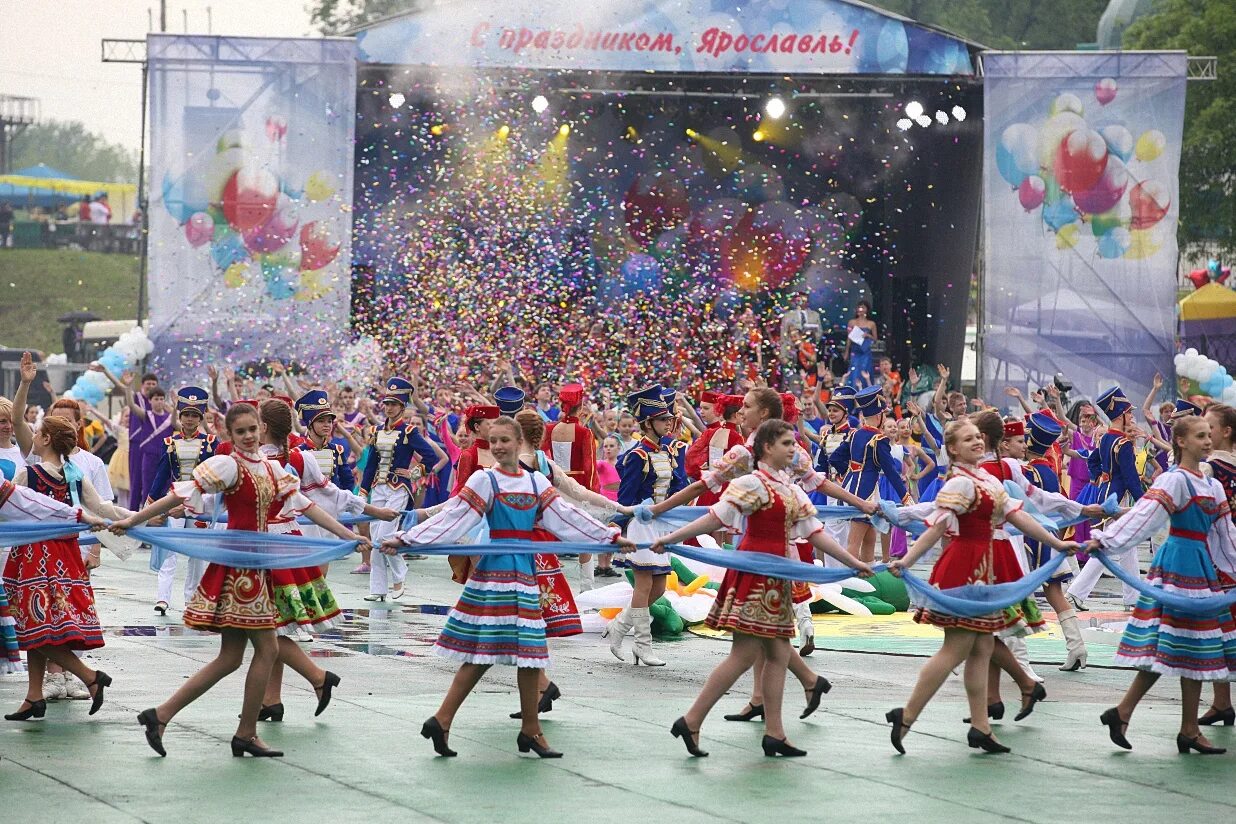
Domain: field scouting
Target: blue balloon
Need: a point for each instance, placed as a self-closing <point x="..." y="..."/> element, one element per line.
<point x="279" y="276"/>
<point x="1060" y="214"/>
<point x="641" y="274"/>
<point x="228" y="248"/>
<point x="1213" y="267"/>
<point x="1007" y="164"/>
<point x="1113" y="244"/>
<point x="114" y="361"/>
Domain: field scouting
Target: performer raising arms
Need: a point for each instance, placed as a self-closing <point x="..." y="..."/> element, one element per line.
<point x="770" y="513"/>
<point x="720" y="436"/>
<point x="498" y="618"/>
<point x="1158" y="639"/>
<point x="970" y="505"/>
<point x="236" y="603"/>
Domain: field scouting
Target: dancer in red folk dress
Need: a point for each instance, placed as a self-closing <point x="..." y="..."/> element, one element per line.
<point x="48" y="582"/>
<point x="720" y="436"/>
<point x="239" y="604"/>
<point x="771" y="512"/>
<point x="971" y="505"/>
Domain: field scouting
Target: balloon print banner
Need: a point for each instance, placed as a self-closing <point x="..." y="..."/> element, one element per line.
<point x="250" y="208"/>
<point x="1081" y="197"/>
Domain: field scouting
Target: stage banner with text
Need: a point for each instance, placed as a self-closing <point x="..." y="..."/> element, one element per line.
<point x="775" y="36"/>
<point x="250" y="200"/>
<point x="1081" y="195"/>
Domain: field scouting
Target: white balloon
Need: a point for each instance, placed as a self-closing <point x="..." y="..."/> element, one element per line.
<point x="1191" y="352"/>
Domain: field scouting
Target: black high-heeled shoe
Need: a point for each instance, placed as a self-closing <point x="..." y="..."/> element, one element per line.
<point x="779" y="746"/>
<point x="983" y="741"/>
<point x="688" y="736"/>
<point x="814" y="694"/>
<point x="273" y="712"/>
<point x="432" y="730"/>
<point x="896" y="718"/>
<point x="329" y="683"/>
<point x="528" y="743"/>
<point x="752" y="712"/>
<point x="1112" y="720"/>
<point x="37" y="709"/>
<point x="1214" y="716"/>
<point x="1034" y="696"/>
<point x="101" y="681"/>
<point x="242" y="746"/>
<point x="150" y="720"/>
<point x="994" y="711"/>
<point x="1183" y="745"/>
<point x="546" y="702"/>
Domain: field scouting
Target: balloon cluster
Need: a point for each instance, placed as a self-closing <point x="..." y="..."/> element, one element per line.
<point x="92" y="387"/>
<point x="1084" y="176"/>
<point x="1205" y="376"/>
<point x="251" y="220"/>
<point x="1214" y="271"/>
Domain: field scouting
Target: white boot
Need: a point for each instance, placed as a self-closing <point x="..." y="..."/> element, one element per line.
<point x="1073" y="640"/>
<point x="587" y="571"/>
<point x="643" y="639"/>
<point x="806" y="628"/>
<point x="616" y="630"/>
<point x="54" y="687"/>
<point x="1017" y="646"/>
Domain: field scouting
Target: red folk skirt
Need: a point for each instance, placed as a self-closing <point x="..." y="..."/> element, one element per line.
<point x="232" y="598"/>
<point x="50" y="596"/>
<point x="557" y="603"/>
<point x="971" y="560"/>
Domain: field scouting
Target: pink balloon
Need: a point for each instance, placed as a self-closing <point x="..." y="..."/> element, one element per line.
<point x="199" y="229"/>
<point x="276" y="128"/>
<point x="275" y="233"/>
<point x="1148" y="203"/>
<point x="1031" y="192"/>
<point x="1107" y="192"/>
<point x="316" y="249"/>
<point x="1105" y="91"/>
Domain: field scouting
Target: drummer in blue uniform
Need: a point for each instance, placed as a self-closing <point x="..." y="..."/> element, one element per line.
<point x="177" y="465"/>
<point x="387" y="482"/>
<point x="863" y="458"/>
<point x="649" y="472"/>
<point x="1113" y="466"/>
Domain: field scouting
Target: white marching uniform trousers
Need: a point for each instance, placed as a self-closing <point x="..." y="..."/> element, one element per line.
<point x="1094" y="569"/>
<point x="383" y="567"/>
<point x="194" y="570"/>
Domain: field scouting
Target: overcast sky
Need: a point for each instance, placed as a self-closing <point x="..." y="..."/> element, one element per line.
<point x="49" y="49"/>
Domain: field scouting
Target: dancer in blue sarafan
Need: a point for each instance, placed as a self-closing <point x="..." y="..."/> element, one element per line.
<point x="1160" y="639"/>
<point x="498" y="618"/>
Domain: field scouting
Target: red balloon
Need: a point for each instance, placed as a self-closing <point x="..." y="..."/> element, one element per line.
<point x="711" y="226"/>
<point x="249" y="198"/>
<point x="654" y="203"/>
<point x="1080" y="160"/>
<point x="316" y="250"/>
<point x="275" y="233"/>
<point x="767" y="247"/>
<point x="1107" y="192"/>
<point x="1148" y="204"/>
<point x="1199" y="278"/>
<point x="1031" y="193"/>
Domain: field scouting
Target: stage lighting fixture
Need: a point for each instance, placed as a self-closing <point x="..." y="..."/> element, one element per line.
<point x="774" y="108"/>
<point x="396" y="100"/>
<point x="504" y="130"/>
<point x="914" y="110"/>
<point x="941" y="118"/>
<point x="539" y="103"/>
<point x="904" y="123"/>
<point x="923" y="120"/>
<point x="959" y="114"/>
<point x="564" y="130"/>
<point x="692" y="133"/>
<point x="437" y="129"/>
<point x="758" y="135"/>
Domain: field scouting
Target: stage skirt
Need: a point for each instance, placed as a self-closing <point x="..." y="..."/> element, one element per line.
<point x="50" y="598"/>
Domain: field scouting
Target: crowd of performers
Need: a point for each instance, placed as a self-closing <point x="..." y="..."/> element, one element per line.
<point x="513" y="466"/>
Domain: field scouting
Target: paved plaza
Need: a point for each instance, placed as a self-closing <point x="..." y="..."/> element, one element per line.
<point x="364" y="760"/>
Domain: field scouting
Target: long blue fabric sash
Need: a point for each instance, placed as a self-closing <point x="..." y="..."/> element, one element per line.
<point x="17" y="533"/>
<point x="682" y="515"/>
<point x="241" y="548"/>
<point x="346" y="520"/>
<point x="1195" y="607"/>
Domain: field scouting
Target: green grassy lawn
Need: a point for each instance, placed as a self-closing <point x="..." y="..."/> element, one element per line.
<point x="39" y="285"/>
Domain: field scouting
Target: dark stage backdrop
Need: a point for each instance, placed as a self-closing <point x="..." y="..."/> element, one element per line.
<point x="627" y="236"/>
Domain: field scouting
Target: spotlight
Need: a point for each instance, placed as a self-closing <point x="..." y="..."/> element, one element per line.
<point x="923" y="120"/>
<point x="539" y="103"/>
<point x="564" y="130"/>
<point x="758" y="135"/>
<point x="905" y="123"/>
<point x="631" y="133"/>
<point x="692" y="133"/>
<point x="774" y="108"/>
<point x="914" y="110"/>
<point x="959" y="114"/>
<point x="941" y="118"/>
<point x="396" y="100"/>
<point x="504" y="130"/>
<point x="437" y="129"/>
